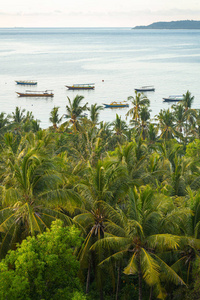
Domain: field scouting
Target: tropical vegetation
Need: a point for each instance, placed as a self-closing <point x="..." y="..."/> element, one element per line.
<point x="95" y="210"/>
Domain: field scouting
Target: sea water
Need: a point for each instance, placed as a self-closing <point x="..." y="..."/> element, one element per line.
<point x="117" y="60"/>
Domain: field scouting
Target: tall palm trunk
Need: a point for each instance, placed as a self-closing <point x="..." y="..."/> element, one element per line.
<point x="118" y="283"/>
<point x="140" y="280"/>
<point x="88" y="278"/>
<point x="151" y="293"/>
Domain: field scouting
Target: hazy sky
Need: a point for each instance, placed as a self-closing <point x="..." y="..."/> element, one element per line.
<point x="93" y="13"/>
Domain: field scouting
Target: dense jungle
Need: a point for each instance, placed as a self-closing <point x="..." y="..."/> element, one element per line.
<point x="96" y="210"/>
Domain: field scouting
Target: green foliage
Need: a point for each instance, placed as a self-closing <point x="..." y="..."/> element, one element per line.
<point x="193" y="149"/>
<point x="132" y="190"/>
<point x="43" y="267"/>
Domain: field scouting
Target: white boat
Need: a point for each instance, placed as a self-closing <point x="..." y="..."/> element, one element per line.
<point x="85" y="86"/>
<point x="147" y="88"/>
<point x="174" y="98"/>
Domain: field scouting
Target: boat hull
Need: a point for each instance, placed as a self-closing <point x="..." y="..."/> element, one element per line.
<point x="35" y="95"/>
<point x="115" y="106"/>
<point x="26" y="83"/>
<point x="172" y="100"/>
<point x="80" y="88"/>
<point x="145" y="90"/>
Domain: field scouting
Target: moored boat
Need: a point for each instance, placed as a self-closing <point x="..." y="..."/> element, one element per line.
<point x="148" y="88"/>
<point x="116" y="104"/>
<point x="26" y="82"/>
<point x="85" y="86"/>
<point x="46" y="93"/>
<point x="175" y="98"/>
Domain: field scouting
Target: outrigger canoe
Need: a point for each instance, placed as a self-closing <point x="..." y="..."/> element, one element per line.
<point x="116" y="105"/>
<point x="88" y="86"/>
<point x="46" y="93"/>
<point x="26" y="82"/>
<point x="149" y="88"/>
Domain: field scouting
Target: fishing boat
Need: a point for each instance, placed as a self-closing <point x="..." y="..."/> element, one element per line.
<point x="175" y="98"/>
<point x="148" y="88"/>
<point x="47" y="93"/>
<point x="116" y="105"/>
<point x="26" y="82"/>
<point x="85" y="86"/>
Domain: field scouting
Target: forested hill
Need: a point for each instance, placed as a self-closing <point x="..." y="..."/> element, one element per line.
<point x="187" y="24"/>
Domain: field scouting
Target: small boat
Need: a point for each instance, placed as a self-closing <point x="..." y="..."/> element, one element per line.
<point x="86" y="86"/>
<point x="116" y="104"/>
<point x="175" y="98"/>
<point x="26" y="82"/>
<point x="148" y="88"/>
<point x="46" y="93"/>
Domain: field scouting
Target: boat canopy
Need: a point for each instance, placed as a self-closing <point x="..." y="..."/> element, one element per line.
<point x="147" y="86"/>
<point x="176" y="96"/>
<point x="83" y="84"/>
<point x="39" y="91"/>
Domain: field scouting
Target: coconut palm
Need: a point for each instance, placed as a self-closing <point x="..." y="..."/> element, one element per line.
<point x="4" y="120"/>
<point x="119" y="132"/>
<point x="94" y="112"/>
<point x="105" y="183"/>
<point x="75" y="110"/>
<point x="54" y="117"/>
<point x="188" y="100"/>
<point x="138" y="101"/>
<point x="30" y="183"/>
<point x="190" y="242"/>
<point x="89" y="145"/>
<point x="152" y="133"/>
<point x="18" y="116"/>
<point x="185" y="116"/>
<point x="179" y="117"/>
<point x="143" y="123"/>
<point x="134" y="157"/>
<point x="166" y="124"/>
<point x="135" y="236"/>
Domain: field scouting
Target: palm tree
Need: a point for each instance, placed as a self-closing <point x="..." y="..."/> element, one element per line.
<point x="94" y="112"/>
<point x="166" y="124"/>
<point x="152" y="133"/>
<point x="105" y="183"/>
<point x="54" y="117"/>
<point x="187" y="100"/>
<point x="184" y="114"/>
<point x="30" y="182"/>
<point x="143" y="124"/>
<point x="135" y="235"/>
<point x="189" y="251"/>
<point x="119" y="126"/>
<point x="134" y="157"/>
<point x="138" y="101"/>
<point x="179" y="117"/>
<point x="18" y="116"/>
<point x="120" y="129"/>
<point x="4" y="120"/>
<point x="75" y="110"/>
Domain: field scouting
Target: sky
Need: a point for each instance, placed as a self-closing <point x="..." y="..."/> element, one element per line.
<point x="93" y="13"/>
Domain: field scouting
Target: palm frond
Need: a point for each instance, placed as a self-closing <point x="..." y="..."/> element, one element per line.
<point x="150" y="268"/>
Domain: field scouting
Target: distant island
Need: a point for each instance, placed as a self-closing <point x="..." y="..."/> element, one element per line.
<point x="187" y="24"/>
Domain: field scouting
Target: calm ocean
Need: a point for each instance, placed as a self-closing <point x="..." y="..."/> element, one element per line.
<point x="117" y="60"/>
